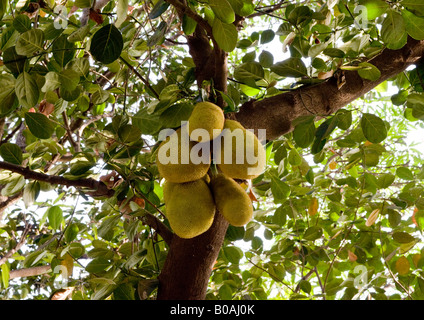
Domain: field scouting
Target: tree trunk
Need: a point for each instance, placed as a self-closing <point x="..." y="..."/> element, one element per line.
<point x="188" y="266"/>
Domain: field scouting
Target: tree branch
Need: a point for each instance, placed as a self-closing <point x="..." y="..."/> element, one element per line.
<point x="98" y="187"/>
<point x="29" y="272"/>
<point x="158" y="226"/>
<point x="276" y="113"/>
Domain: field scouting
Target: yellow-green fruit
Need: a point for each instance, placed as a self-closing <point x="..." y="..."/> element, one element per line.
<point x="190" y="207"/>
<point x="231" y="200"/>
<point x="180" y="160"/>
<point x="206" y="116"/>
<point x="242" y="156"/>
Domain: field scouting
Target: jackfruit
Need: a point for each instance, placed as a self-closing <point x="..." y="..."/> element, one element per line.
<point x="240" y="154"/>
<point x="180" y="160"/>
<point x="190" y="207"/>
<point x="206" y="116"/>
<point x="231" y="200"/>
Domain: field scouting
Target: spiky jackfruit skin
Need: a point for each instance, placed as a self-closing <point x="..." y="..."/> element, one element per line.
<point x="206" y="116"/>
<point x="180" y="172"/>
<point x="231" y="200"/>
<point x="242" y="156"/>
<point x="190" y="207"/>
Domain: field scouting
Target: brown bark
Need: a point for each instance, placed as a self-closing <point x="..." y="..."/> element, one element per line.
<point x="188" y="266"/>
<point x="275" y="114"/>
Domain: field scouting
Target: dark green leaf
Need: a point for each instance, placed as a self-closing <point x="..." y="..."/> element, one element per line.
<point x="63" y="50"/>
<point x="225" y="35"/>
<point x="106" y="44"/>
<point x="373" y="128"/>
<point x="30" y="42"/>
<point x="39" y="125"/>
<point x="393" y="30"/>
<point x="403" y="237"/>
<point x="304" y="133"/>
<point x="404" y="173"/>
<point x="97" y="265"/>
<point x="292" y="67"/>
<point x="312" y="233"/>
<point x="11" y="153"/>
<point x="22" y="23"/>
<point x="27" y="90"/>
<point x="55" y="216"/>
<point x="160" y="7"/>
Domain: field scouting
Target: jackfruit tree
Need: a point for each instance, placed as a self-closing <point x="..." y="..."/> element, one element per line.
<point x="121" y="175"/>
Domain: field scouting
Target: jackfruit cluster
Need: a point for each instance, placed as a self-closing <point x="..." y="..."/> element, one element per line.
<point x="192" y="191"/>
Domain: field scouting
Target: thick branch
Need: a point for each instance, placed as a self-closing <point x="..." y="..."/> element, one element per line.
<point x="275" y="114"/>
<point x="99" y="188"/>
<point x="29" y="272"/>
<point x="159" y="227"/>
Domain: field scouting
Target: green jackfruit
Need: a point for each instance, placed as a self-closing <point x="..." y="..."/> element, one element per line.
<point x="175" y="157"/>
<point x="241" y="155"/>
<point x="206" y="116"/>
<point x="231" y="200"/>
<point x="190" y="207"/>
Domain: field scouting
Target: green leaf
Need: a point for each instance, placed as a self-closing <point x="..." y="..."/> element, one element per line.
<point x="107" y="44"/>
<point x="414" y="25"/>
<point x="225" y="35"/>
<point x="266" y="59"/>
<point x="121" y="12"/>
<point x="11" y="153"/>
<point x="63" y="50"/>
<point x="414" y="5"/>
<point x="5" y="275"/>
<point x="173" y="116"/>
<point x="189" y="25"/>
<point x="403" y="237"/>
<point x="373" y="128"/>
<point x="267" y="36"/>
<point x="158" y="35"/>
<point x="79" y="34"/>
<point x="71" y="233"/>
<point x="160" y="7"/>
<point x="27" y="90"/>
<point x="375" y="8"/>
<point x="22" y="23"/>
<point x="334" y="52"/>
<point x="393" y="30"/>
<point x="76" y="249"/>
<point x="13" y="61"/>
<point x="304" y="133"/>
<point x="404" y="173"/>
<point x="280" y="190"/>
<point x="147" y="123"/>
<point x="39" y="125"/>
<point x="31" y="192"/>
<point x="294" y="157"/>
<point x="300" y="15"/>
<point x="8" y="101"/>
<point x="30" y="42"/>
<point x="369" y="71"/>
<point x="292" y="67"/>
<point x="52" y="82"/>
<point x="55" y="217"/>
<point x="69" y="79"/>
<point x="233" y="254"/>
<point x="3" y="7"/>
<point x="312" y="233"/>
<point x="385" y="180"/>
<point x="242" y="7"/>
<point x="249" y="73"/>
<point x="223" y="10"/>
<point x="97" y="265"/>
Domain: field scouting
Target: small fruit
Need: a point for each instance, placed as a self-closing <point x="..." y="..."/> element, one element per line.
<point x="206" y="116"/>
<point x="231" y="200"/>
<point x="241" y="155"/>
<point x="190" y="207"/>
<point x="174" y="159"/>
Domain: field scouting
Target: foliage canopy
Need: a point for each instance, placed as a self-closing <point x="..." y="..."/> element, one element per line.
<point x="339" y="211"/>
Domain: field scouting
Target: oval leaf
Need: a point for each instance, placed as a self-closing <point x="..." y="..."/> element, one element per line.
<point x="11" y="153"/>
<point x="39" y="125"/>
<point x="373" y="127"/>
<point x="106" y="44"/>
